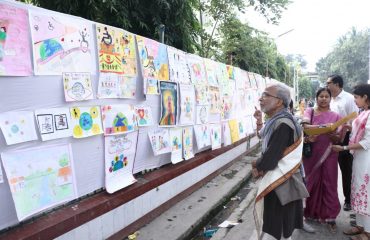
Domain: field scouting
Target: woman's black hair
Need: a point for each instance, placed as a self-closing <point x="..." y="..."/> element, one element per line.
<point x="322" y="90"/>
<point x="362" y="90"/>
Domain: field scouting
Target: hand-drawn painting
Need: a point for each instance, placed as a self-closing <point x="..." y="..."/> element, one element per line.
<point x="226" y="135"/>
<point x="241" y="79"/>
<point x="221" y="74"/>
<point x="248" y="125"/>
<point x="187" y="142"/>
<point x="86" y="121"/>
<point x="226" y="107"/>
<point x="144" y="116"/>
<point x="160" y="141"/>
<point x="202" y="114"/>
<point x="118" y="119"/>
<point x="53" y="123"/>
<point x="40" y="178"/>
<point x="18" y="126"/>
<point x="179" y="71"/>
<point x="201" y="94"/>
<point x="234" y="130"/>
<point x="120" y="153"/>
<point x="197" y="70"/>
<point x="61" y="44"/>
<point x="176" y="145"/>
<point x="231" y="72"/>
<point x="154" y="62"/>
<point x="113" y="85"/>
<point x="215" y="99"/>
<point x="215" y="136"/>
<point x="211" y="68"/>
<point x="15" y="52"/>
<point x="252" y="80"/>
<point x="202" y="135"/>
<point x="242" y="129"/>
<point x="168" y="103"/>
<point x="77" y="86"/>
<point x="187" y="105"/>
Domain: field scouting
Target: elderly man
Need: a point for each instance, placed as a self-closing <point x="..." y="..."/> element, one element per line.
<point x="278" y="205"/>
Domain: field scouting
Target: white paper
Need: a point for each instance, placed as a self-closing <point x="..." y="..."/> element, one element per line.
<point x="77" y="86"/>
<point x="227" y="224"/>
<point x="187" y="141"/>
<point x="187" y="105"/>
<point x="179" y="71"/>
<point x="202" y="135"/>
<point x="202" y="116"/>
<point x="1" y="175"/>
<point x="226" y="134"/>
<point x="144" y="116"/>
<point x="176" y="145"/>
<point x="118" y="119"/>
<point x="86" y="121"/>
<point x="216" y="136"/>
<point x="160" y="140"/>
<point x="197" y="70"/>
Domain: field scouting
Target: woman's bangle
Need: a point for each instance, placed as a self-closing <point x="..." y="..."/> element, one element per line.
<point x="345" y="148"/>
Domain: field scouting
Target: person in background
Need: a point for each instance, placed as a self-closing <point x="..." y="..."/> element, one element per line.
<point x="301" y="106"/>
<point x="343" y="103"/>
<point x="321" y="168"/>
<point x="359" y="144"/>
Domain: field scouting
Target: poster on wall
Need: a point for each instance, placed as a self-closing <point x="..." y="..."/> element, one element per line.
<point x="86" y="121"/>
<point x="226" y="107"/>
<point x="187" y="104"/>
<point x="112" y="85"/>
<point x="197" y="69"/>
<point x="40" y="178"/>
<point x="202" y="136"/>
<point x="234" y="130"/>
<point x="53" y="123"/>
<point x="18" y="126"/>
<point x="176" y="145"/>
<point x="201" y="94"/>
<point x="187" y="142"/>
<point x="216" y="136"/>
<point x="154" y="63"/>
<point x="178" y="67"/>
<point x="77" y="86"/>
<point x="215" y="100"/>
<point x="242" y="129"/>
<point x="118" y="119"/>
<point x="168" y="103"/>
<point x="15" y="52"/>
<point x="120" y="153"/>
<point x="61" y="44"/>
<point x="211" y="68"/>
<point x="231" y="72"/>
<point x="221" y="74"/>
<point x="144" y="116"/>
<point x="160" y="141"/>
<point x="202" y="116"/>
<point x="226" y="135"/>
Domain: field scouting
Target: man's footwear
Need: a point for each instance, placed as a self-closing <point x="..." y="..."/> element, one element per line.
<point x="308" y="228"/>
<point x="354" y="230"/>
<point x="347" y="207"/>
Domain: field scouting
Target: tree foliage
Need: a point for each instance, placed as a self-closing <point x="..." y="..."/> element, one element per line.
<point x="305" y="87"/>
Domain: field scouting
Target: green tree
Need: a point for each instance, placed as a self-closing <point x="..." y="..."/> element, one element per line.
<point x="305" y="87"/>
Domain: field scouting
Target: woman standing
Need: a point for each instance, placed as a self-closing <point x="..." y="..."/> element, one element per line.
<point x="360" y="145"/>
<point x="321" y="168"/>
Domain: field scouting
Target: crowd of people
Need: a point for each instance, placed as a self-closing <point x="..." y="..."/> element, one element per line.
<point x="295" y="189"/>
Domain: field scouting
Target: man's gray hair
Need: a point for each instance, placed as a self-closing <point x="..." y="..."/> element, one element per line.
<point x="282" y="92"/>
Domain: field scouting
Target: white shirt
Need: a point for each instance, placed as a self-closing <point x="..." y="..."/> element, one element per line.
<point x="343" y="104"/>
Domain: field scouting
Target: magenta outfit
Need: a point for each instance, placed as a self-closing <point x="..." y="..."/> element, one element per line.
<point x="322" y="173"/>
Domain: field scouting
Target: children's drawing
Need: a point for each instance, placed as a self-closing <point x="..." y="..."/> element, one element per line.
<point x="179" y="71"/>
<point x="252" y="80"/>
<point x="241" y="79"/>
<point x="176" y="145"/>
<point x="197" y="69"/>
<point x="221" y="74"/>
<point x="15" y="52"/>
<point x="118" y="119"/>
<point x="113" y="85"/>
<point x="154" y="62"/>
<point x="226" y="135"/>
<point x="202" y="136"/>
<point x="86" y="121"/>
<point x="40" y="178"/>
<point x="61" y="44"/>
<point x="234" y="130"/>
<point x="201" y="94"/>
<point x="242" y="129"/>
<point x="53" y="123"/>
<point x="144" y="116"/>
<point x="160" y="141"/>
<point x="215" y="99"/>
<point x="18" y="126"/>
<point x="187" y="104"/>
<point x="187" y="141"/>
<point x="120" y="153"/>
<point x="211" y="68"/>
<point x="168" y="103"/>
<point x="248" y="125"/>
<point x="231" y="72"/>
<point x="77" y="86"/>
<point x="202" y="114"/>
<point x="226" y="107"/>
<point x="216" y="136"/>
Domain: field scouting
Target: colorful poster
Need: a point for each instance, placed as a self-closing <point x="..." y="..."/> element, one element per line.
<point x="234" y="130"/>
<point x="15" y="52"/>
<point x="216" y="136"/>
<point x="202" y="135"/>
<point x="61" y="44"/>
<point x="120" y="153"/>
<point x="187" y="142"/>
<point x="201" y="94"/>
<point x="226" y="107"/>
<point x="197" y="70"/>
<point x="211" y="68"/>
<point x="176" y="145"/>
<point x="215" y="99"/>
<point x="221" y="74"/>
<point x="40" y="178"/>
<point x="86" y="121"/>
<point x="144" y="116"/>
<point x="202" y="114"/>
<point x="248" y="125"/>
<point x="154" y="62"/>
<point x="113" y="85"/>
<point x="242" y="129"/>
<point x="18" y="127"/>
<point x="77" y="86"/>
<point x="118" y="119"/>
<point x="53" y="123"/>
<point x="226" y="135"/>
<point x="231" y="72"/>
<point x="187" y="105"/>
<point x="160" y="141"/>
<point x="179" y="71"/>
<point x="168" y="103"/>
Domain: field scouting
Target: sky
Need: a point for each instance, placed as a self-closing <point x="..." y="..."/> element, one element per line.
<point x="317" y="26"/>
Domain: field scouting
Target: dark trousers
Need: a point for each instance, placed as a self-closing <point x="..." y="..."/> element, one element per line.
<point x="345" y="159"/>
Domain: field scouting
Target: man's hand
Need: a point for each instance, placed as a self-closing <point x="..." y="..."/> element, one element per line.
<point x="257" y="115"/>
<point x="337" y="148"/>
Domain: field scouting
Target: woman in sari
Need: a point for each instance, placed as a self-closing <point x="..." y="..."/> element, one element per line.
<point x="359" y="144"/>
<point x="321" y="168"/>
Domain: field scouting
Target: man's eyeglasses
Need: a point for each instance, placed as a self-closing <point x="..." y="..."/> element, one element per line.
<point x="266" y="95"/>
<point x="329" y="82"/>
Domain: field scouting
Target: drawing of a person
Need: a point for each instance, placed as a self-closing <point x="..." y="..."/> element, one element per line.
<point x="142" y="120"/>
<point x="169" y="117"/>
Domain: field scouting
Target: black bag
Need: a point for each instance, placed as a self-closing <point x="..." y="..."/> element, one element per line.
<point x="307" y="147"/>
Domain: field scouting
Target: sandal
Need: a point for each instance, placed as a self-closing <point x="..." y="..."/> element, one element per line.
<point x="361" y="236"/>
<point x="332" y="227"/>
<point x="354" y="231"/>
